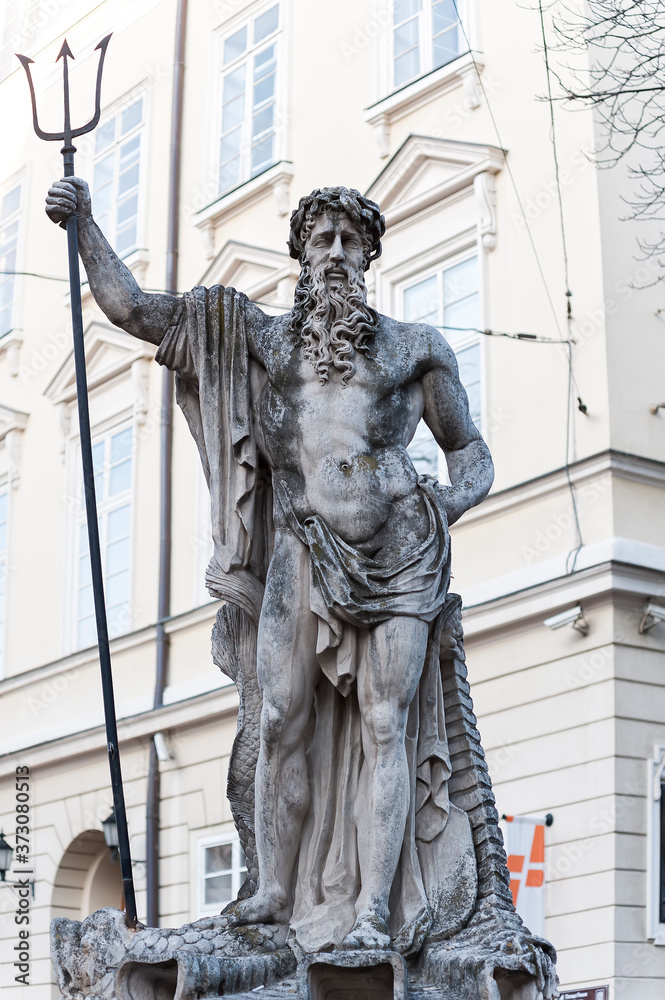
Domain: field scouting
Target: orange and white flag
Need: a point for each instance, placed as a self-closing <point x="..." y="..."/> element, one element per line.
<point x="524" y="837"/>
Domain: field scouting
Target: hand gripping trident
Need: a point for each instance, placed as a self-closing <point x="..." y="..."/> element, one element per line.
<point x="68" y="151"/>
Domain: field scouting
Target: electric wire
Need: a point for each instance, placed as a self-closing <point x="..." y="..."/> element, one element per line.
<point x="513" y="182"/>
<point x="571" y="559"/>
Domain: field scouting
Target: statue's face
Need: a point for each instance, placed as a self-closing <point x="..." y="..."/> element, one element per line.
<point x="335" y="244"/>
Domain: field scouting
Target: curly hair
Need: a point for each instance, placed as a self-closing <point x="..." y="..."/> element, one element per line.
<point x="363" y="212"/>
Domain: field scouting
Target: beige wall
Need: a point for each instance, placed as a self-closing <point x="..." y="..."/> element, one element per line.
<point x="568" y="721"/>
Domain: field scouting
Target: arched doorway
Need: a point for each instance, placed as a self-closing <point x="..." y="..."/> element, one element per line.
<point x="86" y="879"/>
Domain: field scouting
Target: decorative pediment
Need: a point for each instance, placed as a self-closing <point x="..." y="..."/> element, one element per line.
<point x="426" y="171"/>
<point x="108" y="353"/>
<point x="12" y="425"/>
<point x="263" y="275"/>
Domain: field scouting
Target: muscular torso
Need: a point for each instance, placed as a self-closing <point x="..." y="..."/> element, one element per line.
<point x="341" y="450"/>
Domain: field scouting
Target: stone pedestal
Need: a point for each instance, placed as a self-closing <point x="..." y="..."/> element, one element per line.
<point x="346" y="975"/>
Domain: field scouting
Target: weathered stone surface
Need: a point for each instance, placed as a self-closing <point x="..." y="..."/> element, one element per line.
<point x="333" y="557"/>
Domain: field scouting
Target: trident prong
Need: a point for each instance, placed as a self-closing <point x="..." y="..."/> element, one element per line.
<point x="96" y="570"/>
<point x="68" y="133"/>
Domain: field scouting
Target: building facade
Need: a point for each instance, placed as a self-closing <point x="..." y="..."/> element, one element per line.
<point x="439" y="121"/>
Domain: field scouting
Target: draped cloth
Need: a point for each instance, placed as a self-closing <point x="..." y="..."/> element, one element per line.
<point x="207" y="347"/>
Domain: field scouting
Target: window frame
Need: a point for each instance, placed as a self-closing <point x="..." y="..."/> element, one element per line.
<point x="277" y="37"/>
<point x="77" y="518"/>
<point x="7" y="188"/>
<point x="425" y="44"/>
<point x="237" y="872"/>
<point x="140" y="92"/>
<point x="436" y="265"/>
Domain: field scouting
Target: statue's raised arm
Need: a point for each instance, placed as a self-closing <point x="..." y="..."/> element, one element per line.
<point x="114" y="287"/>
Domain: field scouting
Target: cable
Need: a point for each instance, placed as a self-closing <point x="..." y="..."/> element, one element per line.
<point x="555" y="314"/>
<point x="570" y="566"/>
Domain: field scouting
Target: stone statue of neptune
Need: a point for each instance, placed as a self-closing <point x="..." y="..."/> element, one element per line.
<point x="333" y="557"/>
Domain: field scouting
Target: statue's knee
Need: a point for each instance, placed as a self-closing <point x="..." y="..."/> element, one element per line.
<point x="386" y="724"/>
<point x="273" y="723"/>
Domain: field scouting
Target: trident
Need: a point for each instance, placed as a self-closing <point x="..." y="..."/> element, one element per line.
<point x="68" y="151"/>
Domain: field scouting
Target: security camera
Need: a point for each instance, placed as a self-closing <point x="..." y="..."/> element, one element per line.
<point x="654" y="614"/>
<point x="574" y="618"/>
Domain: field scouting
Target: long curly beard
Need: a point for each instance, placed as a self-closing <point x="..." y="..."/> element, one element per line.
<point x="333" y="322"/>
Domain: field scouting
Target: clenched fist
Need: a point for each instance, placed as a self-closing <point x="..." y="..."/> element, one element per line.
<point x="68" y="196"/>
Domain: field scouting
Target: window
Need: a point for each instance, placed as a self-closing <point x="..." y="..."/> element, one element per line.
<point x="426" y="35"/>
<point x="249" y="98"/>
<point x="112" y="461"/>
<point x="449" y="299"/>
<point x="223" y="871"/>
<point x="3" y="574"/>
<point x="656" y="847"/>
<point x="10" y="208"/>
<point x="115" y="183"/>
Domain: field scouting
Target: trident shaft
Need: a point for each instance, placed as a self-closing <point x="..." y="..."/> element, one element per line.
<point x="68" y="151"/>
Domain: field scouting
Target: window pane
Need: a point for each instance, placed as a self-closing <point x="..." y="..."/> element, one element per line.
<point x="219" y="858"/>
<point x="104" y="136"/>
<point x="85" y="633"/>
<point x="102" y="198"/>
<point x="262" y="154"/>
<point x="121" y="445"/>
<point x="446" y="47"/>
<point x="117" y="556"/>
<point x="129" y="151"/>
<point x="218" y="889"/>
<point x="126" y="240"/>
<point x="406" y="67"/>
<point x="461" y="317"/>
<point x="262" y="121"/>
<point x="406" y="37"/>
<point x="235" y="45"/>
<point x="233" y="113"/>
<point x="444" y="16"/>
<point x="120" y="478"/>
<point x="469" y="372"/>
<point x="83" y="540"/>
<point x="119" y="619"/>
<point x="405" y="9"/>
<point x="118" y="523"/>
<point x="132" y="116"/>
<point x="103" y="171"/>
<point x="117" y="588"/>
<point x="460" y="280"/>
<point x="127" y="209"/>
<point x="421" y="303"/>
<point x="424" y="451"/>
<point x="128" y="179"/>
<point x="234" y="84"/>
<point x="11" y="202"/>
<point x="86" y="603"/>
<point x="266" y="23"/>
<point x="264" y="90"/>
<point x="85" y="573"/>
<point x="230" y="145"/>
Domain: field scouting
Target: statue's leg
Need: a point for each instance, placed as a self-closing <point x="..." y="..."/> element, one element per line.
<point x="391" y="661"/>
<point x="287" y="673"/>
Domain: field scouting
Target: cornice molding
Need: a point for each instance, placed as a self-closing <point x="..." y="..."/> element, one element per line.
<point x="276" y="180"/>
<point x="426" y="171"/>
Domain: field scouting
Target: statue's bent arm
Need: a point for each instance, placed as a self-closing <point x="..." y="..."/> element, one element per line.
<point x="113" y="285"/>
<point x="446" y="413"/>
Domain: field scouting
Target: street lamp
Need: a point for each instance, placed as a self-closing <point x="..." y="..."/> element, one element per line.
<point x="110" y="828"/>
<point x="6" y="855"/>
